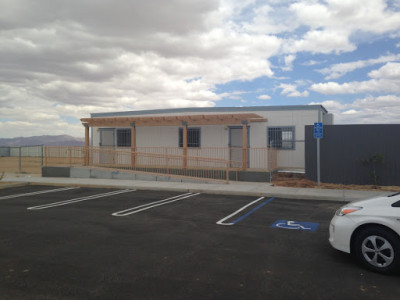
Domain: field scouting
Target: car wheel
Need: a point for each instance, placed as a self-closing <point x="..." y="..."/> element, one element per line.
<point x="378" y="249"/>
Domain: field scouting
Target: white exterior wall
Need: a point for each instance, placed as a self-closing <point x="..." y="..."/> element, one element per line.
<point x="165" y="136"/>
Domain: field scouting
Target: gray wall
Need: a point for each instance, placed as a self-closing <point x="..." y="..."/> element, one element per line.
<point x="344" y="147"/>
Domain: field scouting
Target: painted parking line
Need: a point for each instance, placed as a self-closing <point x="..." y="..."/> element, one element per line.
<point x="37" y="193"/>
<point x="71" y="201"/>
<point x="134" y="210"/>
<point x="221" y="222"/>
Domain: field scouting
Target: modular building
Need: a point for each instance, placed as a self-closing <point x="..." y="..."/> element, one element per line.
<point x="241" y="135"/>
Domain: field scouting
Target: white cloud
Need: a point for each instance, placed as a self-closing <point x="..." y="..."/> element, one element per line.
<point x="289" y="59"/>
<point x="369" y="110"/>
<point x="92" y="56"/>
<point x="321" y="41"/>
<point x="334" y="22"/>
<point x="388" y="71"/>
<point x="385" y="79"/>
<point x="61" y="60"/>
<point x="371" y="16"/>
<point x="338" y="70"/>
<point x="264" y="97"/>
<point x="350" y="112"/>
<point x="291" y="90"/>
<point x="271" y="18"/>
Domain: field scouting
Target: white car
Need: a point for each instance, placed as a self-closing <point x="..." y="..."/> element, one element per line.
<point x="370" y="230"/>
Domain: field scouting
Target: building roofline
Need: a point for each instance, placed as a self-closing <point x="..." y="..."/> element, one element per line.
<point x="210" y="109"/>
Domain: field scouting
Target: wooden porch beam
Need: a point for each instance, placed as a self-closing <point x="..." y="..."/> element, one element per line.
<point x="87" y="144"/>
<point x="192" y="120"/>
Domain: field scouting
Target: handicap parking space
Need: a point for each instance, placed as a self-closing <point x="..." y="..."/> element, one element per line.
<point x="316" y="214"/>
<point x="116" y="243"/>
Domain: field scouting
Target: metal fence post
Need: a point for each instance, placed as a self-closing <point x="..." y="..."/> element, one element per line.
<point x="20" y="159"/>
<point x="271" y="163"/>
<point x="319" y="153"/>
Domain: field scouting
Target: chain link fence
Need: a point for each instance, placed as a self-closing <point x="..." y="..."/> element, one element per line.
<point x="25" y="159"/>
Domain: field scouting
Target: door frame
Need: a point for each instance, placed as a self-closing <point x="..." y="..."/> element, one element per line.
<point x="248" y="142"/>
<point x="106" y="157"/>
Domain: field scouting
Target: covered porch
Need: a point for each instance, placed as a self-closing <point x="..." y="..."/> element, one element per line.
<point x="239" y="120"/>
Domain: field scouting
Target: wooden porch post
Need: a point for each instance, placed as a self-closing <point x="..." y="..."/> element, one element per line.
<point x="245" y="146"/>
<point x="87" y="144"/>
<point x="133" y="144"/>
<point x="185" y="143"/>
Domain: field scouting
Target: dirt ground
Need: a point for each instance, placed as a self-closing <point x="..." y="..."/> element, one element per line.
<point x="298" y="180"/>
<point x="29" y="165"/>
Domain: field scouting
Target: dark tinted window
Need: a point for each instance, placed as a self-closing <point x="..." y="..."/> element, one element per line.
<point x="281" y="137"/>
<point x="193" y="136"/>
<point x="123" y="137"/>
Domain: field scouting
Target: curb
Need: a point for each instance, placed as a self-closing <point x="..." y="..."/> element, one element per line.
<point x="13" y="184"/>
<point x="237" y="190"/>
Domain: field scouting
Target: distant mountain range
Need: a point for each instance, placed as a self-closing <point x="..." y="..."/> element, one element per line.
<point x="46" y="140"/>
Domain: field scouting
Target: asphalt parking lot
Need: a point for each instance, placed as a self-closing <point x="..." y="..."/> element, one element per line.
<point x="86" y="243"/>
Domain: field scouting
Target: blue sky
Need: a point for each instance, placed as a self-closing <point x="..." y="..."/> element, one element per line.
<point x="62" y="60"/>
<point x="308" y="69"/>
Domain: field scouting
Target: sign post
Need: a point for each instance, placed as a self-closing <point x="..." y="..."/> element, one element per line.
<point x="318" y="134"/>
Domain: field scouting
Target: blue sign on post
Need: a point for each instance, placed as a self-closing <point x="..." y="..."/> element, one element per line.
<point x="318" y="130"/>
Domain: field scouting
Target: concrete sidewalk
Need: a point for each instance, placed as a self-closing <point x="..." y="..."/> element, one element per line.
<point x="233" y="188"/>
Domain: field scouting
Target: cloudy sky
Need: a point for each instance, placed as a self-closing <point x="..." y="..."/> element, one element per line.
<point x="62" y="60"/>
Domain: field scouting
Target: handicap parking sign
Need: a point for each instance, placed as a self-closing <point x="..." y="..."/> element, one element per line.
<point x="318" y="130"/>
<point x="295" y="225"/>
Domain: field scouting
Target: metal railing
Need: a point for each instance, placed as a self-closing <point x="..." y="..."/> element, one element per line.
<point x="159" y="163"/>
<point x="24" y="159"/>
<point x="64" y="155"/>
<point x="213" y="163"/>
<point x="262" y="159"/>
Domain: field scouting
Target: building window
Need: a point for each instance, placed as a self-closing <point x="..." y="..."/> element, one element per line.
<point x="193" y="136"/>
<point x="123" y="137"/>
<point x="281" y="137"/>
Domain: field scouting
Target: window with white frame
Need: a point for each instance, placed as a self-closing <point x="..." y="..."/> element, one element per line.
<point x="124" y="137"/>
<point x="193" y="137"/>
<point x="281" y="137"/>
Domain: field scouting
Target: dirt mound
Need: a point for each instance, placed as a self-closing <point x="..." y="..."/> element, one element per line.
<point x="299" y="180"/>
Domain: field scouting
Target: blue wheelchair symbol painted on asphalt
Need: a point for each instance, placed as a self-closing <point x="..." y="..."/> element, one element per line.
<point x="294" y="225"/>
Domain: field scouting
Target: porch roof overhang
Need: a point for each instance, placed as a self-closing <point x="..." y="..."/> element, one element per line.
<point x="178" y="120"/>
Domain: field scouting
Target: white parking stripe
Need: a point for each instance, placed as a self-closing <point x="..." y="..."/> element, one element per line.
<point x="221" y="222"/>
<point x="37" y="193"/>
<point x="148" y="204"/>
<point x="140" y="208"/>
<point x="71" y="201"/>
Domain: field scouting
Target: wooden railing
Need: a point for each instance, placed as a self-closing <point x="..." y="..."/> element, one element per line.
<point x="213" y="169"/>
<point x="211" y="163"/>
<point x="167" y="164"/>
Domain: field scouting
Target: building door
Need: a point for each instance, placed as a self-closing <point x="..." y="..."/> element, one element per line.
<point x="236" y="146"/>
<point x="106" y="146"/>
